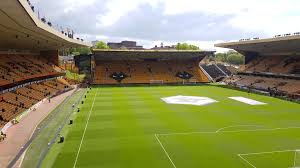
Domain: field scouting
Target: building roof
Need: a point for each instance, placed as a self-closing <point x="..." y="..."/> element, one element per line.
<point x="21" y="29"/>
<point x="149" y="54"/>
<point x="285" y="45"/>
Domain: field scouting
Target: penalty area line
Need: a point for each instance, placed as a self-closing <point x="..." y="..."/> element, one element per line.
<point x="167" y="154"/>
<point x="233" y="131"/>
<point x="232" y="126"/>
<point x="222" y="130"/>
<point x="246" y="160"/>
<point x="262" y="153"/>
<point x="87" y="122"/>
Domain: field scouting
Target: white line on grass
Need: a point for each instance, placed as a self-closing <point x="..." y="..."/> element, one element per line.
<point x="232" y="126"/>
<point x="156" y="136"/>
<point x="87" y="122"/>
<point x="246" y="161"/>
<point x="220" y="131"/>
<point x="261" y="153"/>
<point x="295" y="158"/>
<point x="235" y="131"/>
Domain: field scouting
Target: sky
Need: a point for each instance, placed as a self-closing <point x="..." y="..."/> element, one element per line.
<point x="150" y="22"/>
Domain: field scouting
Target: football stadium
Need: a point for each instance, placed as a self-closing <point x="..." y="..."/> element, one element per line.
<point x="143" y="108"/>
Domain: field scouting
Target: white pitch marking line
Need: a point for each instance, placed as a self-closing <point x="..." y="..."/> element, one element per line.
<point x="236" y="131"/>
<point x="156" y="136"/>
<point x="87" y="122"/>
<point x="246" y="161"/>
<point x="219" y="130"/>
<point x="260" y="153"/>
<point x="295" y="158"/>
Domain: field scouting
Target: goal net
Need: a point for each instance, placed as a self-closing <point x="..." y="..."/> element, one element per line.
<point x="157" y="82"/>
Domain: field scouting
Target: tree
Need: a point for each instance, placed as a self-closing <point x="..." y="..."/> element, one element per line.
<point x="186" y="46"/>
<point x="231" y="57"/>
<point x="84" y="51"/>
<point x="101" y="45"/>
<point x="221" y="57"/>
<point x="80" y="51"/>
<point x="235" y="59"/>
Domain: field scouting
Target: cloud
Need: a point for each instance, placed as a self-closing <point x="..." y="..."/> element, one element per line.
<point x="79" y="15"/>
<point x="116" y="9"/>
<point x="172" y="21"/>
<point x="73" y="5"/>
<point x="267" y="16"/>
<point x="148" y="22"/>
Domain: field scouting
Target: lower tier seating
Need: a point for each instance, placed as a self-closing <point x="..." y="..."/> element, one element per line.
<point x="15" y="102"/>
<point x="289" y="86"/>
<point x="107" y="72"/>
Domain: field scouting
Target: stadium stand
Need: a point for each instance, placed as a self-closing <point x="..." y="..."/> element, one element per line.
<point x="280" y="65"/>
<point x="272" y="66"/>
<point x="15" y="102"/>
<point x="29" y="69"/>
<point x="145" y="71"/>
<point x="17" y="68"/>
<point x="144" y="67"/>
<point x="285" y="86"/>
<point x="275" y="64"/>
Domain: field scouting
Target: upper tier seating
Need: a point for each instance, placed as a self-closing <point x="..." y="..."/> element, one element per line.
<point x="146" y="71"/>
<point x="16" y="68"/>
<point x="274" y="64"/>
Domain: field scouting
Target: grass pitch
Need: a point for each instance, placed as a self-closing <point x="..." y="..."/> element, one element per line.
<point x="132" y="127"/>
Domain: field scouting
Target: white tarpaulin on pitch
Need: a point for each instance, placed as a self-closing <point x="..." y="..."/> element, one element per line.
<point x="192" y="100"/>
<point x="247" y="101"/>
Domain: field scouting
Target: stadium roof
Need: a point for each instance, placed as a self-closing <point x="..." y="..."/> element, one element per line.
<point x="21" y="29"/>
<point x="149" y="54"/>
<point x="285" y="45"/>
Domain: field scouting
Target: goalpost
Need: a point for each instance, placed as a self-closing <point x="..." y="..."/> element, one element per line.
<point x="161" y="82"/>
<point x="189" y="82"/>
